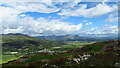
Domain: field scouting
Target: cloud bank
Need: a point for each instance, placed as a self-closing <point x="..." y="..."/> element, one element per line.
<point x="14" y="21"/>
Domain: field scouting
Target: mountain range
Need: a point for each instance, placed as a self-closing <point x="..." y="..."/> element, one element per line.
<point x="78" y="38"/>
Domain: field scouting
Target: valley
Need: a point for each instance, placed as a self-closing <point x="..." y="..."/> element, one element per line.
<point x="30" y="52"/>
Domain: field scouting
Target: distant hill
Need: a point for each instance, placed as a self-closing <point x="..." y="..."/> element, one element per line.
<point x="21" y="42"/>
<point x="106" y="46"/>
<point x="77" y="38"/>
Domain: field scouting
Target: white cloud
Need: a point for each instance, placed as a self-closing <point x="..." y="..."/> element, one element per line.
<point x="12" y="23"/>
<point x="97" y="11"/>
<point x="88" y="23"/>
<point x="106" y="29"/>
<point x="42" y="7"/>
<point x="8" y="30"/>
<point x="10" y="17"/>
<point x="28" y="25"/>
<point x="68" y="9"/>
<point x="22" y="15"/>
<point x="85" y="21"/>
<point x="112" y="17"/>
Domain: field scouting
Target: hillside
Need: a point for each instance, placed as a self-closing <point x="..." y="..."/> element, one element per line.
<point x="21" y="50"/>
<point x="103" y="54"/>
<point x="96" y="55"/>
<point x="25" y="43"/>
<point x="105" y="46"/>
<point x="77" y="38"/>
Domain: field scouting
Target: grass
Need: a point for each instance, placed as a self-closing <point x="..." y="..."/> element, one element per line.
<point x="78" y="43"/>
<point x="39" y="57"/>
<point x="94" y="48"/>
<point x="70" y="45"/>
<point x="7" y="58"/>
<point x="12" y="43"/>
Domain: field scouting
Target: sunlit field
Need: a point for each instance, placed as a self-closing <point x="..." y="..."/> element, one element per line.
<point x="7" y="58"/>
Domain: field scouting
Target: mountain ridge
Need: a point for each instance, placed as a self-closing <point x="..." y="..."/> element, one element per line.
<point x="77" y="38"/>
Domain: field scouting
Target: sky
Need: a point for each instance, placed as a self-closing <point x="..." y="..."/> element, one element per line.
<point x="59" y="18"/>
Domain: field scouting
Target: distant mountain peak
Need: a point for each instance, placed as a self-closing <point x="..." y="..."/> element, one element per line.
<point x="15" y="34"/>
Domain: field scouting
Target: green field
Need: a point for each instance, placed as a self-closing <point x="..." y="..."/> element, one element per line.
<point x="79" y="43"/>
<point x="70" y="45"/>
<point x="63" y="48"/>
<point x="7" y="58"/>
<point x="37" y="58"/>
<point x="40" y="57"/>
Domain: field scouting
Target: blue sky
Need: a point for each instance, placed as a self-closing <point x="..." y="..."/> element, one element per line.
<point x="60" y="18"/>
<point x="75" y="19"/>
